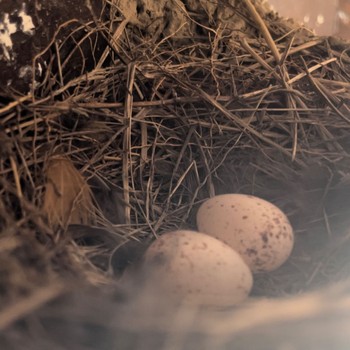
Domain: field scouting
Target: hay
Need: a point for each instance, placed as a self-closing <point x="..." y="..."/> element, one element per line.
<point x="203" y="100"/>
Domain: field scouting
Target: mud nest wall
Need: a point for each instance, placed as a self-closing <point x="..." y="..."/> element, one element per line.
<point x="150" y="108"/>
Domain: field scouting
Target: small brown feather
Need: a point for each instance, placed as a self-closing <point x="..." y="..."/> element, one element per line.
<point x="68" y="198"/>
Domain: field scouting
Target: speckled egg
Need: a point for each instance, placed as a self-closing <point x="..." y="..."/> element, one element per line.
<point x="258" y="230"/>
<point x="198" y="269"/>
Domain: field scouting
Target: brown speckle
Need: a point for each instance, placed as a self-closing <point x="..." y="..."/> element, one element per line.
<point x="264" y="237"/>
<point x="270" y="227"/>
<point x="251" y="251"/>
<point x="244" y="217"/>
<point x="277" y="221"/>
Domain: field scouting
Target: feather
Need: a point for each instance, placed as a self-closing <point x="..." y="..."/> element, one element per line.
<point x="67" y="198"/>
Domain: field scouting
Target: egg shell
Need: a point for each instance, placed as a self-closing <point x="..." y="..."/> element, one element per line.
<point x="258" y="230"/>
<point x="198" y="269"/>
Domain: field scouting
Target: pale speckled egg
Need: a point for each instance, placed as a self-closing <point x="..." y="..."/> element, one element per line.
<point x="258" y="230"/>
<point x="198" y="269"/>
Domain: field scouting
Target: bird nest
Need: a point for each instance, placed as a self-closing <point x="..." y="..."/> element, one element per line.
<point x="137" y="118"/>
